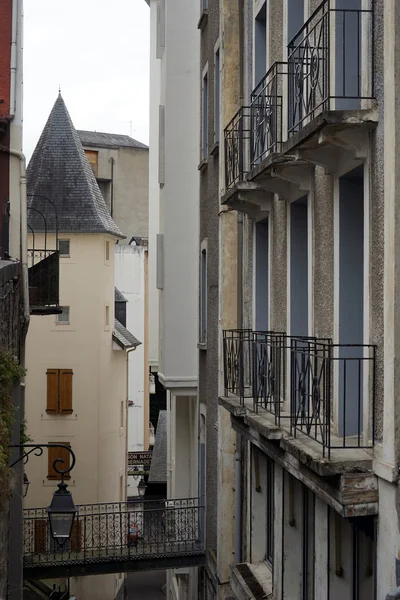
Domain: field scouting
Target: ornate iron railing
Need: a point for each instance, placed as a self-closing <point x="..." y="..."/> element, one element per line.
<point x="330" y="63"/>
<point x="328" y="384"/>
<point x="43" y="275"/>
<point x="236" y="139"/>
<point x="237" y="351"/>
<point x="269" y="371"/>
<point x="267" y="114"/>
<point x="117" y="531"/>
<point x="331" y="394"/>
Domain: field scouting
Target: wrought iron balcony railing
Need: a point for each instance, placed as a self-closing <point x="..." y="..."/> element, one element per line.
<point x="330" y="64"/>
<point x="266" y="111"/>
<point x="44" y="276"/>
<point x="330" y="396"/>
<point x="236" y="139"/>
<point x="116" y="532"/>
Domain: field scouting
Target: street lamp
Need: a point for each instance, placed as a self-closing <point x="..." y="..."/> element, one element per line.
<point x="62" y="509"/>
<point x="142" y="488"/>
<point x="61" y="512"/>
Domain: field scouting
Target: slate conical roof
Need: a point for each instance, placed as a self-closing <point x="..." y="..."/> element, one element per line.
<point x="60" y="171"/>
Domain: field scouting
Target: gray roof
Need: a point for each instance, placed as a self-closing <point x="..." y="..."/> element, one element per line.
<point x="124" y="338"/>
<point x="60" y="171"/>
<point x="158" y="469"/>
<point x="118" y="297"/>
<point x="108" y="140"/>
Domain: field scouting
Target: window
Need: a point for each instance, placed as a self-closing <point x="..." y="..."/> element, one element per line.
<point x="107" y="316"/>
<point x="92" y="156"/>
<point x="59" y="391"/>
<point x="63" y="317"/>
<point x="53" y="455"/>
<point x="203" y="294"/>
<point x="217" y="88"/>
<point x="204" y="4"/>
<point x="63" y="247"/>
<point x="107" y="251"/>
<point x="204" y="117"/>
<point x="269" y="554"/>
<point x="260" y="44"/>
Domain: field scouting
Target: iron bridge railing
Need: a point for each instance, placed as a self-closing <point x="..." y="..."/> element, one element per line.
<point x="117" y="531"/>
<point x="310" y="385"/>
<point x="330" y="64"/>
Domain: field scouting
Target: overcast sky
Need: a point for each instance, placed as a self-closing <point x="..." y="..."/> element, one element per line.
<point x="98" y="52"/>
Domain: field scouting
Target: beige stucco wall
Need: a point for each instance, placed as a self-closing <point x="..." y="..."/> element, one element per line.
<point x="131" y="188"/>
<point x="95" y="429"/>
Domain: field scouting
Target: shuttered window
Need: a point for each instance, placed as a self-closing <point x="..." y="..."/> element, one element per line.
<point x="92" y="156"/>
<point x="53" y="455"/>
<point x="59" y="391"/>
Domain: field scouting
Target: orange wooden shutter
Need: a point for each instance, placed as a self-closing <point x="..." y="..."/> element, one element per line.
<point x="40" y="535"/>
<point x="66" y="391"/>
<point x="76" y="536"/>
<point x="64" y="455"/>
<point x="52" y="391"/>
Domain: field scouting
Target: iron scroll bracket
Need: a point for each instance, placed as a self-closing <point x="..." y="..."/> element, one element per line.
<point x="37" y="450"/>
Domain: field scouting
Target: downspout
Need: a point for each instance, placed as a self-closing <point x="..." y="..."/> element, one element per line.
<point x="13" y="63"/>
<point x="112" y="161"/>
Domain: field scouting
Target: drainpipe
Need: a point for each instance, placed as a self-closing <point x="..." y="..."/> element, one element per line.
<point x="238" y="500"/>
<point x="112" y="161"/>
<point x="13" y="63"/>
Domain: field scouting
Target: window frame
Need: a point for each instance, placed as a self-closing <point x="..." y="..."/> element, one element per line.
<point x="62" y="254"/>
<point x="203" y="292"/>
<point x="204" y="114"/>
<point x="270" y="513"/>
<point x="62" y="321"/>
<point x="59" y="409"/>
<point x="217" y="93"/>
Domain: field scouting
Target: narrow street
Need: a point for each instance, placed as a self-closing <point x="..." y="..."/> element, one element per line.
<point x="146" y="585"/>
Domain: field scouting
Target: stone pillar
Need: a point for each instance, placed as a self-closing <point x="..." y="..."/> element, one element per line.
<point x="228" y="309"/>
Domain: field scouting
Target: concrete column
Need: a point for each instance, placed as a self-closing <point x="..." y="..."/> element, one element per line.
<point x="228" y="309"/>
<point x="392" y="235"/>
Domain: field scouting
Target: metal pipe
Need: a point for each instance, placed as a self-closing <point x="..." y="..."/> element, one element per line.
<point x="13" y="62"/>
<point x="112" y="161"/>
<point x="241" y="50"/>
<point x="238" y="500"/>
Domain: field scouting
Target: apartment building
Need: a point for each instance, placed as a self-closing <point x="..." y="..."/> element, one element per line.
<point x="173" y="244"/>
<point x="77" y="358"/>
<point x="308" y="320"/>
<point x="209" y="149"/>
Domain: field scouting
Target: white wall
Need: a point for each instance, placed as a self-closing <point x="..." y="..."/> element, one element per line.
<point x="179" y="197"/>
<point x="129" y="279"/>
<point x="154" y="190"/>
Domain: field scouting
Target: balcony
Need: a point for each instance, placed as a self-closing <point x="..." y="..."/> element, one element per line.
<point x="306" y="397"/>
<point x="115" y="538"/>
<point x="43" y="256"/>
<point x="316" y="109"/>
